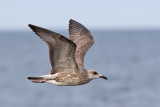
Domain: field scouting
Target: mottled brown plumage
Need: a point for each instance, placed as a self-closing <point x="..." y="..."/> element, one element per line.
<point x="83" y="38"/>
<point x="61" y="49"/>
<point x="67" y="55"/>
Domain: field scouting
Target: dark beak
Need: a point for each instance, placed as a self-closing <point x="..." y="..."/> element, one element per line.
<point x="104" y="77"/>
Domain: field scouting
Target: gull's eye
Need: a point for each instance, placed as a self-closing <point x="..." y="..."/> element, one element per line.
<point x="95" y="73"/>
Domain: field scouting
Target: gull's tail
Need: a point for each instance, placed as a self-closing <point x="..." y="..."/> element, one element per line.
<point x="37" y="79"/>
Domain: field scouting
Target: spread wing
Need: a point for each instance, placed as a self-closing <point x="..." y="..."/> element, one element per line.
<point x="61" y="50"/>
<point x="83" y="38"/>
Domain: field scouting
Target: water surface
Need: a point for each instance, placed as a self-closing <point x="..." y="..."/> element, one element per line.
<point x="130" y="59"/>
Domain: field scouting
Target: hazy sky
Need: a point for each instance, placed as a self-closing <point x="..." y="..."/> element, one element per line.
<point x="95" y="14"/>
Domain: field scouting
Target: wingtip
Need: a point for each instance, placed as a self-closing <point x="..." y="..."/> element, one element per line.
<point x="30" y="25"/>
<point x="33" y="27"/>
<point x="72" y="20"/>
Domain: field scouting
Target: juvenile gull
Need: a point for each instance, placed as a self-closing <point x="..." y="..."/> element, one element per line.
<point x="67" y="56"/>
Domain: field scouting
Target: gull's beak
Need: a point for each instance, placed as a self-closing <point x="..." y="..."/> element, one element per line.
<point x="104" y="77"/>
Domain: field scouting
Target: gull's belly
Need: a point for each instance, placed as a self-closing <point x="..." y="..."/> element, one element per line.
<point x="62" y="83"/>
<point x="67" y="79"/>
<point x="54" y="82"/>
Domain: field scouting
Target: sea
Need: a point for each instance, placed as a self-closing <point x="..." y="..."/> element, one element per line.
<point x="129" y="58"/>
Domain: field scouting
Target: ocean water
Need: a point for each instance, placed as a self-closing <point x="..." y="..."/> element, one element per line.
<point x="130" y="59"/>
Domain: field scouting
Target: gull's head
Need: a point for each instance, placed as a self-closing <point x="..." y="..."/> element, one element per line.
<point x="92" y="74"/>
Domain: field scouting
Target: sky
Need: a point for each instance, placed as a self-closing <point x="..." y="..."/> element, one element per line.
<point x="94" y="14"/>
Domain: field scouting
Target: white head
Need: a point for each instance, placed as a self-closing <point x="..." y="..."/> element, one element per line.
<point x="92" y="74"/>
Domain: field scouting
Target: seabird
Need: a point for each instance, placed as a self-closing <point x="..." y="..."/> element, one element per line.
<point x="67" y="56"/>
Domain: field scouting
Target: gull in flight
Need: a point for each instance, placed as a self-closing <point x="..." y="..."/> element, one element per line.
<point x="67" y="56"/>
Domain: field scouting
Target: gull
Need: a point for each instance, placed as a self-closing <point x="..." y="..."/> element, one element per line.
<point x="67" y="56"/>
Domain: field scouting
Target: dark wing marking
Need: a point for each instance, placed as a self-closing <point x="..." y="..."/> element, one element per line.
<point x="61" y="50"/>
<point x="83" y="38"/>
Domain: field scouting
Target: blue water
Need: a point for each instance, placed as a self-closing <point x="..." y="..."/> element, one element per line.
<point x="130" y="59"/>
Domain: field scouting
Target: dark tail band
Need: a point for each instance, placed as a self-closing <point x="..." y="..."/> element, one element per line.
<point x="36" y="79"/>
